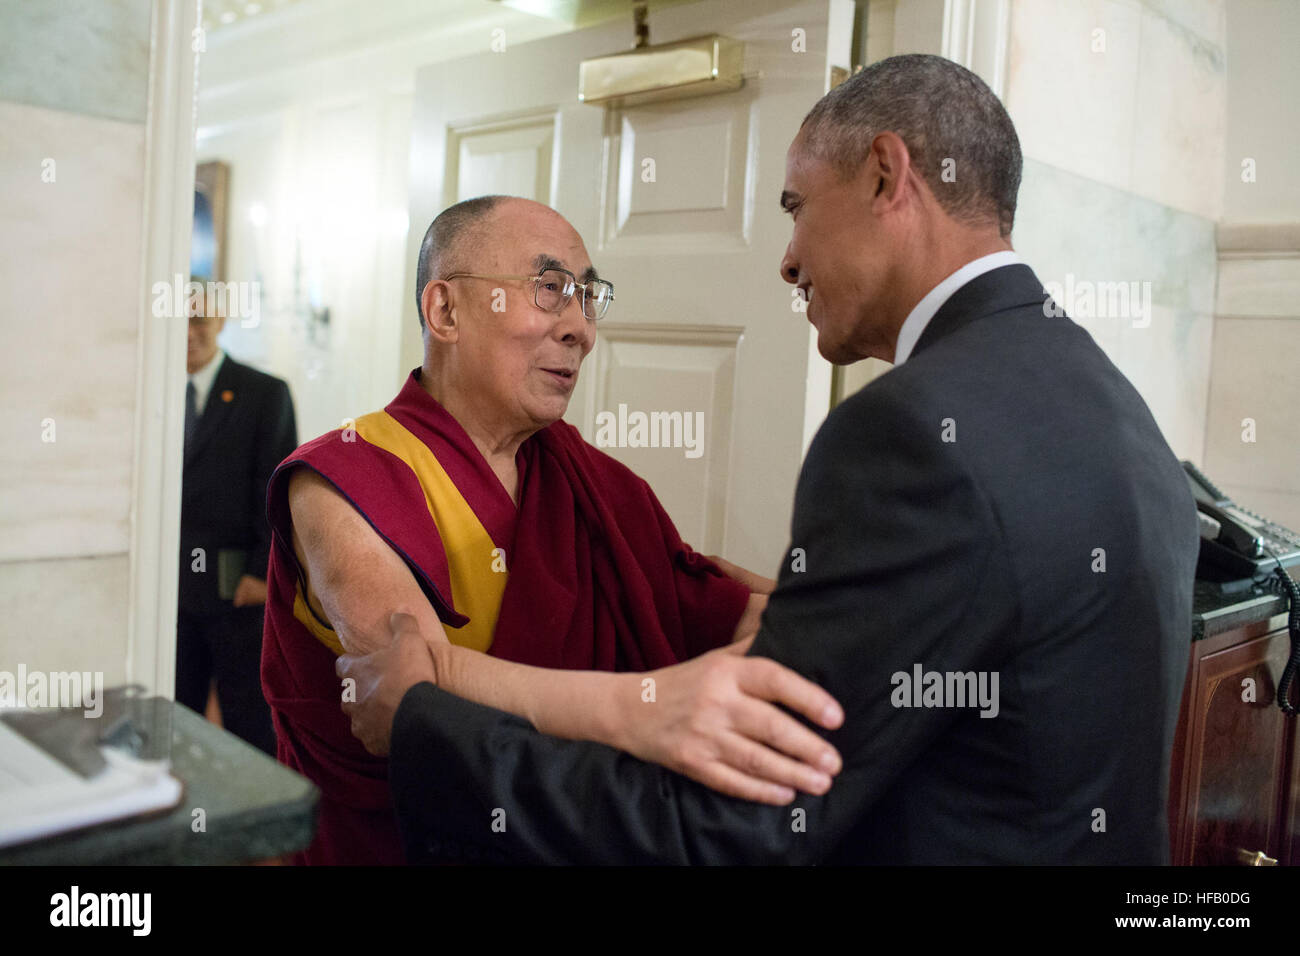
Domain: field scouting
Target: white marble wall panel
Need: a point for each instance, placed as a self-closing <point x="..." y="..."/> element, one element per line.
<point x="70" y="310"/>
<point x="1263" y="122"/>
<point x="1256" y="341"/>
<point x="1140" y="106"/>
<point x="65" y="615"/>
<point x="1068" y="226"/>
<point x="81" y="57"/>
<point x="1074" y="108"/>
<point x="1180" y="118"/>
<point x="1169" y="363"/>
<point x="1259" y="287"/>
<point x="1205" y="18"/>
<point x="1086" y="227"/>
<point x="1255" y="377"/>
<point x="1257" y="322"/>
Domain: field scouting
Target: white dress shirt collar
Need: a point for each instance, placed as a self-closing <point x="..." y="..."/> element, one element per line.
<point x="204" y="378"/>
<point x="924" y="311"/>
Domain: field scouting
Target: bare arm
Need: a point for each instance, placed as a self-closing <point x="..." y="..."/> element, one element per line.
<point x="749" y="621"/>
<point x="708" y="718"/>
<point x="357" y="582"/>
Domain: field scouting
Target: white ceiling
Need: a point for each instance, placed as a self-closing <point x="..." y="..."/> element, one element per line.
<point x="391" y="14"/>
<point x="260" y="52"/>
<point x="267" y="37"/>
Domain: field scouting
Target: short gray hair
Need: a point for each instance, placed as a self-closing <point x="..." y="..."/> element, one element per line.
<point x="941" y="111"/>
<point x="442" y="251"/>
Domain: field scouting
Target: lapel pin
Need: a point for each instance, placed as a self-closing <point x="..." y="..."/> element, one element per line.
<point x="227" y="395"/>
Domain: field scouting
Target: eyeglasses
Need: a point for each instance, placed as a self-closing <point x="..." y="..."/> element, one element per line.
<point x="553" y="289"/>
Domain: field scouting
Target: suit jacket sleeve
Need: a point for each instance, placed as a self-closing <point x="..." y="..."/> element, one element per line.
<point x="277" y="437"/>
<point x="895" y="560"/>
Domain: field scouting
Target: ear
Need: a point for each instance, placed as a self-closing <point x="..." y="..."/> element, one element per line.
<point x="890" y="165"/>
<point x="439" y="314"/>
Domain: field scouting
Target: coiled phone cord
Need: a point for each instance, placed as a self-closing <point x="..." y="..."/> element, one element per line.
<point x="1283" y="583"/>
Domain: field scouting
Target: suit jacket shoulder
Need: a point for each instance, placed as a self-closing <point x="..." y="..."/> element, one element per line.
<point x="234" y="372"/>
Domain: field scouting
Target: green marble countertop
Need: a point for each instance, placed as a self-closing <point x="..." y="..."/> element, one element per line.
<point x="1214" y="611"/>
<point x="254" y="808"/>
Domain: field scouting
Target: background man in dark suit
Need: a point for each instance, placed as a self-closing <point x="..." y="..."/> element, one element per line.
<point x="996" y="575"/>
<point x="239" y="425"/>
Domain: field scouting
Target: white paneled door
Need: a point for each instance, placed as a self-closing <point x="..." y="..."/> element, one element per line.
<point x="703" y="379"/>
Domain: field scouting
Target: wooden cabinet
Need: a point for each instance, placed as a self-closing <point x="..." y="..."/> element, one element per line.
<point x="1235" y="771"/>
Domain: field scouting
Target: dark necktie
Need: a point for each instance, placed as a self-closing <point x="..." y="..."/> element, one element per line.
<point x="191" y="412"/>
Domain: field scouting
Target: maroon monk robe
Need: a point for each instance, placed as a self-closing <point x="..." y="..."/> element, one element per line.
<point x="598" y="579"/>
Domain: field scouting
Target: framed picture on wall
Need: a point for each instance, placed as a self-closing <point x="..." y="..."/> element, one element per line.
<point x="208" y="242"/>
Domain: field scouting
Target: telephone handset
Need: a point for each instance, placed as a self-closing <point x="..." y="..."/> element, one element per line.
<point x="1236" y="544"/>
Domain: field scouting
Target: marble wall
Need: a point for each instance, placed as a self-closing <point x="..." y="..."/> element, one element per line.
<point x="1263" y="40"/>
<point x="1120" y="107"/>
<point x="1253" y="432"/>
<point x="1120" y="110"/>
<point x="1127" y="93"/>
<point x="1257" y="322"/>
<point x="1161" y="139"/>
<point x="73" y="91"/>
<point x="1072" y="230"/>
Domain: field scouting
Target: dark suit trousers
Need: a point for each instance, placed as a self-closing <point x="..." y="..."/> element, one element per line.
<point x="226" y="645"/>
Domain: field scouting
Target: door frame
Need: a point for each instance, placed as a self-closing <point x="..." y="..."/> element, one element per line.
<point x="155" y="520"/>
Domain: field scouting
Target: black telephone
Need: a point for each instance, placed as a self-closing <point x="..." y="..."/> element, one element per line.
<point x="1237" y="544"/>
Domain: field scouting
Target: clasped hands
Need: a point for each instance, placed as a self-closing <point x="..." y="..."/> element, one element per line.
<point x="712" y="718"/>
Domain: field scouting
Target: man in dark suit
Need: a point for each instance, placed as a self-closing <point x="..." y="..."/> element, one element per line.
<point x="239" y="425"/>
<point x="991" y="560"/>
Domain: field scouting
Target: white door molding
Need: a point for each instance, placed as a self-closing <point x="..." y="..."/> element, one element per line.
<point x="160" y="407"/>
<point x="975" y="34"/>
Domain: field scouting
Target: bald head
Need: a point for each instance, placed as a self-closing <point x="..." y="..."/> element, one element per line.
<point x="450" y="240"/>
<point x="469" y="235"/>
<point x="493" y="355"/>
